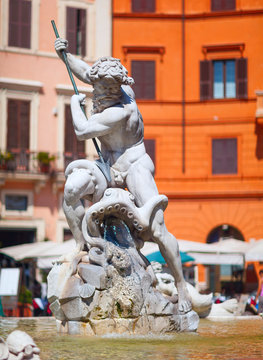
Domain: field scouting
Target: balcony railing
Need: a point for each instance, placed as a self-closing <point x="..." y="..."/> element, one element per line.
<point x="25" y="161"/>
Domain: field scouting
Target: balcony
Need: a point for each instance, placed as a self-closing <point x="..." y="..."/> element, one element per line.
<point x="18" y="165"/>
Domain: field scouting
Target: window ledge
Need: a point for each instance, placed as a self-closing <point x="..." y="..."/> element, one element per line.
<point x="39" y="180"/>
<point x="23" y="85"/>
<point x="227" y="100"/>
<point x="68" y="90"/>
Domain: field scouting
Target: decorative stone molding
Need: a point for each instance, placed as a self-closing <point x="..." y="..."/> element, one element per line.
<point x="21" y="85"/>
<point x="143" y="50"/>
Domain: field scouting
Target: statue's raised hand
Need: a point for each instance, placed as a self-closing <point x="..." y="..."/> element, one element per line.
<point x="61" y="44"/>
<point x="81" y="98"/>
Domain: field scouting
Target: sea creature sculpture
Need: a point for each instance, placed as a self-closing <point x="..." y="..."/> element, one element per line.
<point x="18" y="346"/>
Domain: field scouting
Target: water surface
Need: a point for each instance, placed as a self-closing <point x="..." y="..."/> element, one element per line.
<point x="214" y="340"/>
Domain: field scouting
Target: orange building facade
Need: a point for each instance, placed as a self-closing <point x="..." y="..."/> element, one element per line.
<point x="204" y="118"/>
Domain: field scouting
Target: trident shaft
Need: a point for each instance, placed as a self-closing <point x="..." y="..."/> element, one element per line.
<point x="102" y="165"/>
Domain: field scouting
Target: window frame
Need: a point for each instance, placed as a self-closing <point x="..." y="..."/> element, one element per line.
<point x="155" y="79"/>
<point x="210" y="154"/>
<point x="4" y="30"/>
<point x="206" y="78"/>
<point x="83" y="44"/>
<point x="9" y="93"/>
<point x="15" y="213"/>
<point x="224" y="61"/>
<point x="90" y="26"/>
<point x="64" y="93"/>
<point x="221" y="7"/>
<point x="143" y="11"/>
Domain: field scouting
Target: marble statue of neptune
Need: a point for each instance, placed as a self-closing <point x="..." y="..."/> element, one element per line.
<point x="118" y="124"/>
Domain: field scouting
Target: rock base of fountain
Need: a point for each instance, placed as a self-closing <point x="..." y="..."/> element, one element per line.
<point x="110" y="288"/>
<point x="142" y="325"/>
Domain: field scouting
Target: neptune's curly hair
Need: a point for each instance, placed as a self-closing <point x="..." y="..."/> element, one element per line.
<point x="111" y="69"/>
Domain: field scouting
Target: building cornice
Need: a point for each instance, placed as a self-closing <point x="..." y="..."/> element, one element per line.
<point x="215" y="195"/>
<point x="23" y="85"/>
<point x="197" y="16"/>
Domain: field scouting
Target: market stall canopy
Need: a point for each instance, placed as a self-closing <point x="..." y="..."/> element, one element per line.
<point x="223" y="252"/>
<point x="255" y="252"/>
<point x="157" y="256"/>
<point x="229" y="251"/>
<point x="43" y="249"/>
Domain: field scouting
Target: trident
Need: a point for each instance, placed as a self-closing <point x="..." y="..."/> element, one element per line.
<point x="102" y="165"/>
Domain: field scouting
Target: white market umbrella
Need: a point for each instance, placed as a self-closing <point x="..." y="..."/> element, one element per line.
<point x="255" y="252"/>
<point x="47" y="251"/>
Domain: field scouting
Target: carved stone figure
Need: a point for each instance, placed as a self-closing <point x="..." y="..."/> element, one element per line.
<point x="18" y="346"/>
<point x="202" y="304"/>
<point x="107" y="277"/>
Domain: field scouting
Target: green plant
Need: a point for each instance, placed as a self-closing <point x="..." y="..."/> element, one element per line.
<point x="25" y="296"/>
<point x="44" y="158"/>
<point x="6" y="156"/>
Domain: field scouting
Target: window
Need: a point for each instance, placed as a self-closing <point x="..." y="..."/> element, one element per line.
<point x="73" y="148"/>
<point x="224" y="74"/>
<point x="76" y="30"/>
<point x="16" y="202"/>
<point x="18" y="124"/>
<point x="224" y="156"/>
<point x="221" y="79"/>
<point x="223" y="5"/>
<point x="143" y="5"/>
<point x="19" y="33"/>
<point x="143" y="73"/>
<point x="150" y="148"/>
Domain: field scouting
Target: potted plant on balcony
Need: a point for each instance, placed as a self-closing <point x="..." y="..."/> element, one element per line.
<point x="44" y="160"/>
<point x="5" y="159"/>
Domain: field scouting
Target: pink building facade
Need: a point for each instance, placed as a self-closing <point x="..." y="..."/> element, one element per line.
<point x="36" y="134"/>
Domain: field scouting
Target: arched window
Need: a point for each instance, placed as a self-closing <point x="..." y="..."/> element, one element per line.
<point x="224" y="231"/>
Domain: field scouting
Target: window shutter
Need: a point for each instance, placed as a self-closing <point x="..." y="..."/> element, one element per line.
<point x="143" y="5"/>
<point x="83" y="27"/>
<point x="13" y="36"/>
<point x="72" y="146"/>
<point x="149" y="5"/>
<point x="224" y="156"/>
<point x="206" y="80"/>
<point x="143" y="73"/>
<point x="149" y="88"/>
<point x="19" y="23"/>
<point x="150" y="148"/>
<point x="241" y="77"/>
<point x="137" y="74"/>
<point x="25" y="24"/>
<point x="18" y="124"/>
<point x="69" y="131"/>
<point x="12" y="124"/>
<point x="24" y="124"/>
<point x="72" y="29"/>
<point x="221" y="5"/>
<point x="229" y="4"/>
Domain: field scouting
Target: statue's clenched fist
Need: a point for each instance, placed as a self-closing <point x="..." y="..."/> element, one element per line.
<point x="61" y="44"/>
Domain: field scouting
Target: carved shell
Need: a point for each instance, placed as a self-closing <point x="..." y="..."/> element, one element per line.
<point x="3" y="350"/>
<point x="18" y="340"/>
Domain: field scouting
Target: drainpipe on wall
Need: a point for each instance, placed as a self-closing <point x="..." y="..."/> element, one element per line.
<point x="183" y="86"/>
